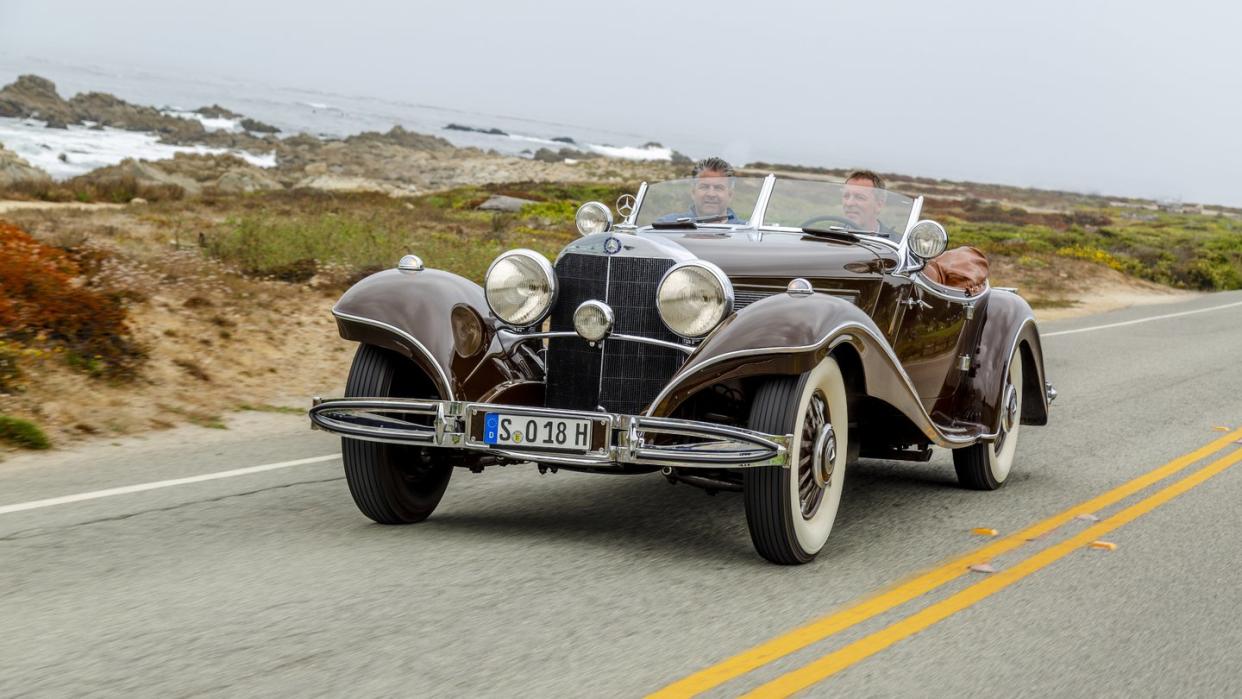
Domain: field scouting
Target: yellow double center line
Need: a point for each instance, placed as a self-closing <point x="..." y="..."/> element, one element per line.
<point x="822" y="628"/>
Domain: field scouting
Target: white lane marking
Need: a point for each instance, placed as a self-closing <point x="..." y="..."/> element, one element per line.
<point x="1140" y="320"/>
<point x="140" y="487"/>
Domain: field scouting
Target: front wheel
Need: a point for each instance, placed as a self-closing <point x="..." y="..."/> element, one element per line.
<point x="985" y="466"/>
<point x="790" y="511"/>
<point x="390" y="483"/>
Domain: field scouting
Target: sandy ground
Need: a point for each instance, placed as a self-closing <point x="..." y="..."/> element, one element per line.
<point x="1110" y="296"/>
<point x="10" y="206"/>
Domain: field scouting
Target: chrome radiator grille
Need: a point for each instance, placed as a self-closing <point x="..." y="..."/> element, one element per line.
<point x="621" y="376"/>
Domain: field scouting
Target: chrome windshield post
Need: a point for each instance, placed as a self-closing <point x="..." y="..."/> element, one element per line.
<point x="638" y="205"/>
<point x="903" y="248"/>
<point x="761" y="205"/>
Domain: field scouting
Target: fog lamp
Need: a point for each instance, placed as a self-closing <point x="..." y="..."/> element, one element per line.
<point x="593" y="320"/>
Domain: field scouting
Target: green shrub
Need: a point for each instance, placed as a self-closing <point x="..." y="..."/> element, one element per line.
<point x="22" y="433"/>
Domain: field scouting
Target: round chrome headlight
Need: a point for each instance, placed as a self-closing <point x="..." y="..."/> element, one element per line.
<point x="928" y="239"/>
<point x="693" y="297"/>
<point x="520" y="287"/>
<point x="593" y="217"/>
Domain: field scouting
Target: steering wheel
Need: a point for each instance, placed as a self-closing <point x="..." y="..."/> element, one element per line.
<point x="835" y="219"/>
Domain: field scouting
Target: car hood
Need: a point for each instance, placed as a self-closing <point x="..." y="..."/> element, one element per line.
<point x="776" y="255"/>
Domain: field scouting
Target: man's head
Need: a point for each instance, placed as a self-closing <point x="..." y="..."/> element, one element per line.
<point x="863" y="199"/>
<point x="713" y="187"/>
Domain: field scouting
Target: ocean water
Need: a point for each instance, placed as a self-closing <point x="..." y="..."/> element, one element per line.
<point x="65" y="153"/>
<point x="323" y="114"/>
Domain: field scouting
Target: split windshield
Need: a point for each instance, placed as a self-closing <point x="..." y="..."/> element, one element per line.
<point x="794" y="204"/>
<point x="704" y="200"/>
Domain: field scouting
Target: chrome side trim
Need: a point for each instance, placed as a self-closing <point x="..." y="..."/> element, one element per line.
<point x="445" y="383"/>
<point x="512" y="338"/>
<point x="837" y="335"/>
<point x="626" y="440"/>
<point x="947" y="293"/>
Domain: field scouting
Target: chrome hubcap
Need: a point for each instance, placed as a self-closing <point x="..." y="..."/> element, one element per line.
<point x="814" y="470"/>
<point x="825" y="456"/>
<point x="1011" y="407"/>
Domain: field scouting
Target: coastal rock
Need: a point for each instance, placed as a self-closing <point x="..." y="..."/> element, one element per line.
<point x="224" y="173"/>
<point x="462" y="127"/>
<point x="142" y="174"/>
<point x="33" y="96"/>
<point x="339" y="183"/>
<point x="106" y="109"/>
<point x="246" y="180"/>
<point x="400" y="137"/>
<point x="14" y="171"/>
<point x="256" y="126"/>
<point x="215" y="111"/>
<point x="501" y="202"/>
<point x="201" y="168"/>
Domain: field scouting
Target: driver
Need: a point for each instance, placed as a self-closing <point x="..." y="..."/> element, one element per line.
<point x="711" y="194"/>
<point x="862" y="198"/>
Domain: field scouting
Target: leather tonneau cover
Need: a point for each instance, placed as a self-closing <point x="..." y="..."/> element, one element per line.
<point x="961" y="268"/>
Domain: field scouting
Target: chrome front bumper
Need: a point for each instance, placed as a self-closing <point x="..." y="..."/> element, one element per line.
<point x="618" y="439"/>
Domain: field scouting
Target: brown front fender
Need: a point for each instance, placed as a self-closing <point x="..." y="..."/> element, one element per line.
<point x="786" y="334"/>
<point x="411" y="312"/>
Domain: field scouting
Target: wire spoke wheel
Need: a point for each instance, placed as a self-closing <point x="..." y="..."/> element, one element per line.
<point x="790" y="510"/>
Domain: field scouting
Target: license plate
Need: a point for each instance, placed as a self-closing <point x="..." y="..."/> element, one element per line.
<point x="545" y="432"/>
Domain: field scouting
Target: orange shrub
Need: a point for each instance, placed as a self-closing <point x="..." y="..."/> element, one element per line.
<point x="42" y="299"/>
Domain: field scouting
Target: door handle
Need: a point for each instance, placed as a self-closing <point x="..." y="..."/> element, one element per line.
<point x="912" y="302"/>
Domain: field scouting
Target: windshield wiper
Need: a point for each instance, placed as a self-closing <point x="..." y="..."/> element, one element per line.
<point x="688" y="223"/>
<point x="849" y="235"/>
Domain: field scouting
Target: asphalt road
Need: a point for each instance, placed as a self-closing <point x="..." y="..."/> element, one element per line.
<point x="271" y="582"/>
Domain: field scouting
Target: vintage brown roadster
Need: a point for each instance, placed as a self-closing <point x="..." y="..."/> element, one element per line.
<point x="757" y="339"/>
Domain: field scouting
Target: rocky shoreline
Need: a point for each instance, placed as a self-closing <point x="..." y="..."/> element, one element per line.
<point x="397" y="162"/>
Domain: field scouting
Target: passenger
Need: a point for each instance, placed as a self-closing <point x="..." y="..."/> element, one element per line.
<point x="710" y="195"/>
<point x="862" y="199"/>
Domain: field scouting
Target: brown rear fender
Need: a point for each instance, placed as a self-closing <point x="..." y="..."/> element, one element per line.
<point x="1008" y="323"/>
<point x="410" y="312"/>
<point x="787" y="334"/>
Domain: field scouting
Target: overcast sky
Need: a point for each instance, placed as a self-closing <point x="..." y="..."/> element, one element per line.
<point x="1133" y="98"/>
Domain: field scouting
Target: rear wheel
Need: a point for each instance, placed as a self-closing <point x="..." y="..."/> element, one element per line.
<point x="790" y="511"/>
<point x="985" y="466"/>
<point x="390" y="483"/>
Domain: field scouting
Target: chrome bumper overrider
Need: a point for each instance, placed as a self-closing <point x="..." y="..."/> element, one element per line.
<point x="626" y="439"/>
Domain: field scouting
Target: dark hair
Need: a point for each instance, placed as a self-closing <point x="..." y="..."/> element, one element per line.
<point x="876" y="180"/>
<point x="712" y="165"/>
